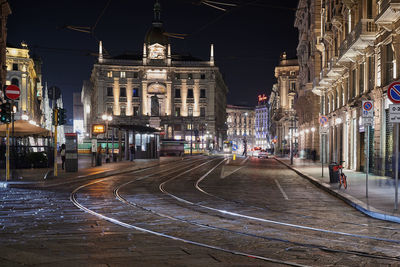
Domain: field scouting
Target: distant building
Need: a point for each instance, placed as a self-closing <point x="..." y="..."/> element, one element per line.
<point x="283" y="114"/>
<point x="240" y="121"/>
<point x="4" y="12"/>
<point x="262" y="138"/>
<point x="78" y="116"/>
<point x="180" y="95"/>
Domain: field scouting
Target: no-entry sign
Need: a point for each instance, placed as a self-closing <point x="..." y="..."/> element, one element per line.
<point x="12" y="92"/>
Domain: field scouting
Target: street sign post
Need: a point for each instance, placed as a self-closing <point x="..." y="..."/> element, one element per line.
<point x="367" y="119"/>
<point x="393" y="94"/>
<point x="323" y="130"/>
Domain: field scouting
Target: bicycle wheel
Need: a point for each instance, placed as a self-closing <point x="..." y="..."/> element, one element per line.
<point x="340" y="181"/>
<point x="344" y="181"/>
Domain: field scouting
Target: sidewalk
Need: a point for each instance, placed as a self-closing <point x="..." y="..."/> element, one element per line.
<point x="34" y="178"/>
<point x="381" y="189"/>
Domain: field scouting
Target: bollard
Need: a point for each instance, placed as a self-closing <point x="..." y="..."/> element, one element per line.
<point x="234" y="156"/>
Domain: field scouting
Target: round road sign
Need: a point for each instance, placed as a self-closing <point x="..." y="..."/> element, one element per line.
<point x="12" y="92"/>
<point x="393" y="93"/>
<point x="367" y="106"/>
<point x="323" y="120"/>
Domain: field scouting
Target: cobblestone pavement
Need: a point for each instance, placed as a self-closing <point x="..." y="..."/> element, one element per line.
<point x="205" y="211"/>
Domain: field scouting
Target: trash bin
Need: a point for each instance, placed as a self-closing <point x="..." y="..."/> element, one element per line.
<point x="333" y="172"/>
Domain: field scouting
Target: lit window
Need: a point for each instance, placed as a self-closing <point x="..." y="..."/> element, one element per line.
<point x="177" y="112"/>
<point x="109" y="74"/>
<point x="135" y="92"/>
<point x="123" y="74"/>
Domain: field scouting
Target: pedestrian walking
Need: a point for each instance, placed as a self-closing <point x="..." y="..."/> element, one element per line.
<point x="62" y="153"/>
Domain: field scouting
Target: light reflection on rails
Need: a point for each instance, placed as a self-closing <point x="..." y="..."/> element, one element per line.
<point x="162" y="189"/>
<point x="131" y="226"/>
<point x="322" y="248"/>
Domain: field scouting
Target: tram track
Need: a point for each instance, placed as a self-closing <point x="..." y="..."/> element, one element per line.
<point x="74" y="200"/>
<point x="280" y="212"/>
<point x="208" y="226"/>
<point x="306" y="245"/>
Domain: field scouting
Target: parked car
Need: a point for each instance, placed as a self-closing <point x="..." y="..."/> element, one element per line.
<point x="263" y="154"/>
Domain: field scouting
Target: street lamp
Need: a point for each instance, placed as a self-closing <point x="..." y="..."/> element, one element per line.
<point x="107" y="118"/>
<point x="191" y="129"/>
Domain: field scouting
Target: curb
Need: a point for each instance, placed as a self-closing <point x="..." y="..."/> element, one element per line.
<point x="44" y="184"/>
<point x="350" y="200"/>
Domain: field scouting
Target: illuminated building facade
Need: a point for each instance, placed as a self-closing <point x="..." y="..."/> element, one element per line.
<point x="283" y="114"/>
<point x="358" y="43"/>
<point x="240" y="121"/>
<point x="173" y="93"/>
<point x="307" y="104"/>
<point x="5" y="11"/>
<point x="262" y="136"/>
<point x="25" y="72"/>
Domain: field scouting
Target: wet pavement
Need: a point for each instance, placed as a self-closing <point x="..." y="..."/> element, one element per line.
<point x="381" y="189"/>
<point x="195" y="212"/>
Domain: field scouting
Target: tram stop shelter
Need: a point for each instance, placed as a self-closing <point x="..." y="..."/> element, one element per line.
<point x="145" y="140"/>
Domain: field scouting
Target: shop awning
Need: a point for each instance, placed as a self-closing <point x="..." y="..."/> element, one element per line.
<point x="24" y="129"/>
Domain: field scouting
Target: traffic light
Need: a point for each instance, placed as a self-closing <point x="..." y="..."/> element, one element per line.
<point x="62" y="117"/>
<point x="54" y="117"/>
<point x="5" y="113"/>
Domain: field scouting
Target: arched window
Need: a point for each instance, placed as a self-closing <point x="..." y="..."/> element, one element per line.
<point x="15" y="82"/>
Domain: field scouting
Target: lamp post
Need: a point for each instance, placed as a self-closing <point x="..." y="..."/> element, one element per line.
<point x="107" y="118"/>
<point x="191" y="129"/>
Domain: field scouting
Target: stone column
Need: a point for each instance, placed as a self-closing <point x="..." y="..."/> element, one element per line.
<point x="168" y="100"/>
<point x="116" y="107"/>
<point x="143" y="97"/>
<point x="127" y="144"/>
<point x="119" y="145"/>
<point x="129" y="95"/>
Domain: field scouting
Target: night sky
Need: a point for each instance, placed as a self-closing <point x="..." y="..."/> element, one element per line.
<point x="248" y="39"/>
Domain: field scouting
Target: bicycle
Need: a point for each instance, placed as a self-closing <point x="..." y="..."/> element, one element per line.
<point x="342" y="176"/>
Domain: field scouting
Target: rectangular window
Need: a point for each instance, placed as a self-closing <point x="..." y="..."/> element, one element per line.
<point x="202" y="93"/>
<point x="110" y="110"/>
<point x="189" y="126"/>
<point x="15" y="66"/>
<point x="135" y="111"/>
<point x="293" y="86"/>
<point x="389" y="64"/>
<point x="202" y="111"/>
<point x="123" y="74"/>
<point x="122" y="92"/>
<point x="190" y="76"/>
<point x="177" y="93"/>
<point x="177" y="76"/>
<point x="109" y="74"/>
<point x="110" y="91"/>
<point x="354" y="84"/>
<point x="371" y="73"/>
<point x="190" y="93"/>
<point x="135" y="92"/>
<point x="361" y="78"/>
<point x="202" y="76"/>
<point x="123" y="111"/>
<point x="135" y="75"/>
<point x="177" y="112"/>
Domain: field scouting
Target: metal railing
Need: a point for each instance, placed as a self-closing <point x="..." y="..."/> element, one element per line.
<point x="363" y="27"/>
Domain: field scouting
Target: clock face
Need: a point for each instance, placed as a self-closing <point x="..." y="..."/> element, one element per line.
<point x="157" y="51"/>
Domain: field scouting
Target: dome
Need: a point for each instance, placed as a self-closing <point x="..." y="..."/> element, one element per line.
<point x="156" y="34"/>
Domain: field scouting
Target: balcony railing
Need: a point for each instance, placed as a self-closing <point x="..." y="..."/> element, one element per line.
<point x="362" y="36"/>
<point x="388" y="11"/>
